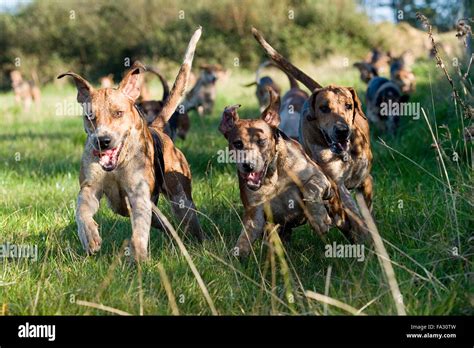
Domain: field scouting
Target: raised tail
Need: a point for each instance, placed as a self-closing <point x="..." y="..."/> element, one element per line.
<point x="284" y="64"/>
<point x="293" y="82"/>
<point x="164" y="83"/>
<point x="180" y="84"/>
<point x="269" y="63"/>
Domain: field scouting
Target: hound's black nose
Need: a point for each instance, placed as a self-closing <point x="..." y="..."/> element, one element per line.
<point x="341" y="131"/>
<point x="104" y="142"/>
<point x="248" y="167"/>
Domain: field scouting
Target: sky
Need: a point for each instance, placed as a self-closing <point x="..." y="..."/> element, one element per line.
<point x="10" y="5"/>
<point x="376" y="12"/>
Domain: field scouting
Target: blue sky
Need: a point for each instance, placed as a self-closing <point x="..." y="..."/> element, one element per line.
<point x="375" y="12"/>
<point x="9" y="5"/>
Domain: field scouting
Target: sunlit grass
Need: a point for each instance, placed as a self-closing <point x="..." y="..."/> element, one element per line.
<point x="39" y="164"/>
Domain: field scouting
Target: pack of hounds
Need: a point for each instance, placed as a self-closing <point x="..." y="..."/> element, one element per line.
<point x="300" y="160"/>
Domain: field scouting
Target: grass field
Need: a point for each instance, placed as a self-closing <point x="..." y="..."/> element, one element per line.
<point x="424" y="216"/>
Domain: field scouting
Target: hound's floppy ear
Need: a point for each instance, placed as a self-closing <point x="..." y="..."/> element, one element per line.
<point x="84" y="88"/>
<point x="219" y="68"/>
<point x="311" y="110"/>
<point x="357" y="65"/>
<point x="131" y="82"/>
<point x="357" y="104"/>
<point x="229" y="119"/>
<point x="271" y="114"/>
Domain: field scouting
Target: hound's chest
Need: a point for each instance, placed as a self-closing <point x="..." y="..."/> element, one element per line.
<point x="350" y="170"/>
<point x="335" y="166"/>
<point x="120" y="184"/>
<point x="282" y="205"/>
<point x="357" y="173"/>
<point x="286" y="208"/>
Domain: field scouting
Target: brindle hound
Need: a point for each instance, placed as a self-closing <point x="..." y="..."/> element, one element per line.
<point x="262" y="83"/>
<point x="291" y="103"/>
<point x="26" y="92"/>
<point x="333" y="131"/>
<point x="178" y="124"/>
<point x="401" y="74"/>
<point x="203" y="94"/>
<point x="278" y="181"/>
<point x="129" y="162"/>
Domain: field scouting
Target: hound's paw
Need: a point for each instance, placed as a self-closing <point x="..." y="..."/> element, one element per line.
<point x="140" y="256"/>
<point x="89" y="236"/>
<point x="241" y="250"/>
<point x="139" y="250"/>
<point x="359" y="231"/>
<point x="320" y="220"/>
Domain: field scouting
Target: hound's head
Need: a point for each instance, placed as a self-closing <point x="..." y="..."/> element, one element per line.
<point x="253" y="141"/>
<point x="210" y="73"/>
<point x="400" y="71"/>
<point x="16" y="77"/>
<point x="405" y="80"/>
<point x="107" y="81"/>
<point x="332" y="112"/>
<point x="367" y="71"/>
<point x="109" y="114"/>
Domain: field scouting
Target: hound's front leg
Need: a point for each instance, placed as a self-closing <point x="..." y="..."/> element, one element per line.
<point x="140" y="206"/>
<point x="314" y="191"/>
<point x="87" y="205"/>
<point x="254" y="223"/>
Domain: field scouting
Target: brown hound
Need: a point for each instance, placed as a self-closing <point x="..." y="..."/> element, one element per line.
<point x="291" y="104"/>
<point x="262" y="84"/>
<point x="333" y="131"/>
<point x="278" y="181"/>
<point x="178" y="124"/>
<point x="26" y="92"/>
<point x="367" y="71"/>
<point x="203" y="94"/>
<point x="401" y="74"/>
<point x="130" y="162"/>
<point x="373" y="65"/>
<point x="107" y="81"/>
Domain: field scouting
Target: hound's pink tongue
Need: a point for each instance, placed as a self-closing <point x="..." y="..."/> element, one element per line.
<point x="254" y="177"/>
<point x="107" y="158"/>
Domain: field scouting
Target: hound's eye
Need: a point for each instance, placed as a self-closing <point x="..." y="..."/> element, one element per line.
<point x="118" y="114"/>
<point x="348" y="106"/>
<point x="239" y="145"/>
<point x="262" y="142"/>
<point x="325" y="109"/>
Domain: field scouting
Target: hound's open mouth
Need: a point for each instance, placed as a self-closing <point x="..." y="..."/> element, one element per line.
<point x="339" y="147"/>
<point x="336" y="146"/>
<point x="108" y="159"/>
<point x="253" y="179"/>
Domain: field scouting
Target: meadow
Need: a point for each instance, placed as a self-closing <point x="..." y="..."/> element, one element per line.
<point x="422" y="207"/>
